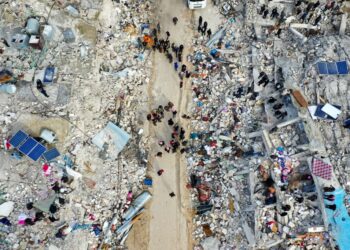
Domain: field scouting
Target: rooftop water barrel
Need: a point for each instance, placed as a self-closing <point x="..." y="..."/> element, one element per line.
<point x="32" y="27"/>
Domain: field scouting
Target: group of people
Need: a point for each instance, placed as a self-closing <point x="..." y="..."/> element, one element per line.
<point x="163" y="45"/>
<point x="279" y="114"/>
<point x="157" y="114"/>
<point x="38" y="215"/>
<point x="264" y="11"/>
<point x="177" y="134"/>
<point x="177" y="140"/>
<point x="172" y="51"/>
<point x="314" y="10"/>
<point x="263" y="79"/>
<point x="203" y="27"/>
<point x="183" y="72"/>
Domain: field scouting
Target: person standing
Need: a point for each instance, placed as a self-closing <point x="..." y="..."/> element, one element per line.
<point x="174" y="113"/>
<point x="176" y="66"/>
<point x="175" y="20"/>
<point x="40" y="87"/>
<point x="204" y="29"/>
<point x="170" y="122"/>
<point x="167" y="34"/>
<point x="209" y="33"/>
<point x="172" y="194"/>
<point x="160" y="172"/>
<point x="181" y="48"/>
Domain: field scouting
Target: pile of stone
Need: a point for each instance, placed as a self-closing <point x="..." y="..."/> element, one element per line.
<point x="101" y="68"/>
<point x="235" y="133"/>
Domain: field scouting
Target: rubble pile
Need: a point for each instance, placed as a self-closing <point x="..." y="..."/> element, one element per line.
<point x="255" y="140"/>
<point x="100" y="67"/>
<point x="268" y="154"/>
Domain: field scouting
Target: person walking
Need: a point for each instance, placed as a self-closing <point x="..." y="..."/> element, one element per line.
<point x="159" y="154"/>
<point x="200" y="20"/>
<point x="175" y="20"/>
<point x="172" y="194"/>
<point x="158" y="27"/>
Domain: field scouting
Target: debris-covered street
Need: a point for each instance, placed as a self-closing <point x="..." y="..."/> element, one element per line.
<point x="158" y="124"/>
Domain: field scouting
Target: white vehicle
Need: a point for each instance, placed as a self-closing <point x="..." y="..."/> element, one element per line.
<point x="196" y="4"/>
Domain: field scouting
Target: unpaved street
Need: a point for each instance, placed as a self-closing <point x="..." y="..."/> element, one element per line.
<point x="169" y="218"/>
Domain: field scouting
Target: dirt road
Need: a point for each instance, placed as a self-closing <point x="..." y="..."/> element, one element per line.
<point x="169" y="220"/>
<point x="168" y="224"/>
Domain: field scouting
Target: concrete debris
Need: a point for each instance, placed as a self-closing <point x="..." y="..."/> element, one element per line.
<point x="260" y="113"/>
<point x="89" y="185"/>
<point x="6" y="208"/>
<point x="264" y="164"/>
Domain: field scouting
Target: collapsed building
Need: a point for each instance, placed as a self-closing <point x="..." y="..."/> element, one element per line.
<point x="270" y="133"/>
<point x="88" y="60"/>
<point x="258" y="178"/>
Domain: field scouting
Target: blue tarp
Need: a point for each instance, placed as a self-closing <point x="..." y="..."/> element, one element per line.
<point x="339" y="220"/>
<point x="111" y="133"/>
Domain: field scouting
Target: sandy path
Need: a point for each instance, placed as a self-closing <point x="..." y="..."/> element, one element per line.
<point x="167" y="221"/>
<point x="168" y="225"/>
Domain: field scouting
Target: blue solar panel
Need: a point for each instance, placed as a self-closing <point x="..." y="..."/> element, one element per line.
<point x="37" y="152"/>
<point x="342" y="67"/>
<point x="18" y="138"/>
<point x="322" y="68"/>
<point x="332" y="68"/>
<point x="28" y="146"/>
<point x="51" y="154"/>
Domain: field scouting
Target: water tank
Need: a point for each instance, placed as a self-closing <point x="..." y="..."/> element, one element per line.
<point x="48" y="135"/>
<point x="32" y="27"/>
